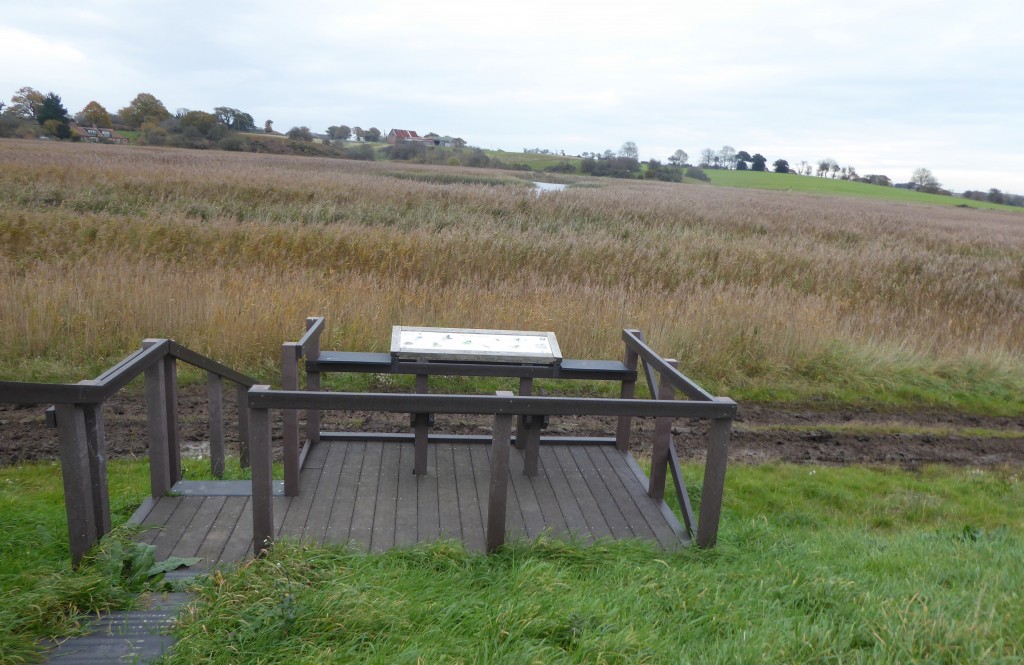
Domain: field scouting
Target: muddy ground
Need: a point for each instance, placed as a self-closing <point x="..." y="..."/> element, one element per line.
<point x="762" y="433"/>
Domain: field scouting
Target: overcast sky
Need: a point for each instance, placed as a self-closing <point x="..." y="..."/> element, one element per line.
<point x="884" y="85"/>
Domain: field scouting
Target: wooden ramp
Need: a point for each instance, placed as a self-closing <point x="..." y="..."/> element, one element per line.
<point x="366" y="493"/>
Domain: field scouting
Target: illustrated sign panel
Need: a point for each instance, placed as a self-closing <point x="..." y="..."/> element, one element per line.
<point x="472" y="345"/>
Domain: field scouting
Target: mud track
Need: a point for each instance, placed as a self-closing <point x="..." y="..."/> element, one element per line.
<point x="762" y="433"/>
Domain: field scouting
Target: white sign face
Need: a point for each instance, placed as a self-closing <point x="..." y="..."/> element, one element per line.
<point x="496" y="346"/>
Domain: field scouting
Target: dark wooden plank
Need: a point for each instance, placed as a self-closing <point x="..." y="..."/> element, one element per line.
<point x="660" y="506"/>
<point x="290" y="419"/>
<point x="198" y="529"/>
<point x="596" y="523"/>
<point x="176" y="525"/>
<point x="551" y="513"/>
<point x="158" y="517"/>
<point x="650" y="510"/>
<point x="281" y="505"/>
<point x="342" y="516"/>
<point x="447" y="496"/>
<point x="406" y="519"/>
<point x="619" y="494"/>
<point x="156" y="428"/>
<point x="515" y="527"/>
<point x="223" y="525"/>
<point x="383" y="537"/>
<point x="603" y="501"/>
<point x="428" y="528"/>
<point x="298" y="508"/>
<point x="366" y="497"/>
<point x="79" y="483"/>
<point x="470" y="514"/>
<point x="317" y="457"/>
<point x="261" y="458"/>
<point x="523" y="498"/>
<point x="333" y="461"/>
<point x="239" y="543"/>
<point x="575" y="522"/>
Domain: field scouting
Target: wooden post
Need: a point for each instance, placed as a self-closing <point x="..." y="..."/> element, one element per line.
<point x="422" y="432"/>
<point x="171" y="394"/>
<point x="662" y="440"/>
<point x="628" y="391"/>
<point x="241" y="399"/>
<point x="215" y="402"/>
<point x="498" y="496"/>
<point x="714" y="482"/>
<point x="262" y="483"/>
<point x="290" y="352"/>
<point x="312" y="384"/>
<point x="78" y="483"/>
<point x="97" y="444"/>
<point x="157" y="426"/>
<point x="522" y="435"/>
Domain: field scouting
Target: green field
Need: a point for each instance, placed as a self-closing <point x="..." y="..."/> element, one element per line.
<point x="834" y="187"/>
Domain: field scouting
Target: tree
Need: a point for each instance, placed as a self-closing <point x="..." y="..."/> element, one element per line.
<point x="94" y="114"/>
<point x="727" y="155"/>
<point x="234" y="119"/>
<point x="372" y="134"/>
<point x="994" y="196"/>
<point x="835" y="169"/>
<point x="52" y="108"/>
<point x="339" y="132"/>
<point x="925" y="181"/>
<point x="678" y="158"/>
<point x="268" y="127"/>
<point x="851" y="173"/>
<point x="824" y="165"/>
<point x="742" y="157"/>
<point x="300" y="134"/>
<point x="458" y="143"/>
<point x="26" y="102"/>
<point x="707" y="157"/>
<point x="203" y="122"/>
<point x="781" y="166"/>
<point x="758" y="162"/>
<point x="358" y="132"/>
<point x="144" y="108"/>
<point x="629" y="150"/>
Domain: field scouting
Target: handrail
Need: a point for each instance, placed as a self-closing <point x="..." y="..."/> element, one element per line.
<point x="114" y="378"/>
<point x="311" y="340"/>
<point x="260" y="398"/>
<point x="202" y="362"/>
<point x="678" y="379"/>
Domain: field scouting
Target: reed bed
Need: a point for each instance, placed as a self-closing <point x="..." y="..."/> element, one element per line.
<point x="764" y="294"/>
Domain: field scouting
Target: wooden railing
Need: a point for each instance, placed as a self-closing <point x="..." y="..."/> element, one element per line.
<point x="503" y="406"/>
<point x="78" y="415"/>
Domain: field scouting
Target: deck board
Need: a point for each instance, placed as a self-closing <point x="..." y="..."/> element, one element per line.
<point x="365" y="493"/>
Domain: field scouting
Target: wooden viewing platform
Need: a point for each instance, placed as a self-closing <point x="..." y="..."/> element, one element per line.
<point x="366" y="494"/>
<point x="380" y="491"/>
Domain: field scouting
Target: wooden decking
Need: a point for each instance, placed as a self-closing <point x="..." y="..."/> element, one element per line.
<point x="366" y="493"/>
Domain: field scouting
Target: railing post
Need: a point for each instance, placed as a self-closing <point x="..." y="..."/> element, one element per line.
<point x="215" y="402"/>
<point x="421" y="423"/>
<point x="96" y="441"/>
<point x="290" y="352"/>
<point x="662" y="440"/>
<point x="498" y="495"/>
<point x="157" y="426"/>
<point x="171" y="393"/>
<point x="522" y="431"/>
<point x="262" y="483"/>
<point x="78" y="481"/>
<point x="714" y="482"/>
<point x="312" y="384"/>
<point x="242" y="400"/>
<point x="628" y="392"/>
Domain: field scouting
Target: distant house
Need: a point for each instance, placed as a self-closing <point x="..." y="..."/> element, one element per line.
<point x="96" y="134"/>
<point x="396" y="136"/>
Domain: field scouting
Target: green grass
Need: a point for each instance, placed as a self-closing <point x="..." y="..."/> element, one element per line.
<point x="834" y="187"/>
<point x="535" y="162"/>
<point x="813" y="565"/>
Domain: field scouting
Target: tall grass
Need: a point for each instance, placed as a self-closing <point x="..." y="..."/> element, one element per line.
<point x="759" y="294"/>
